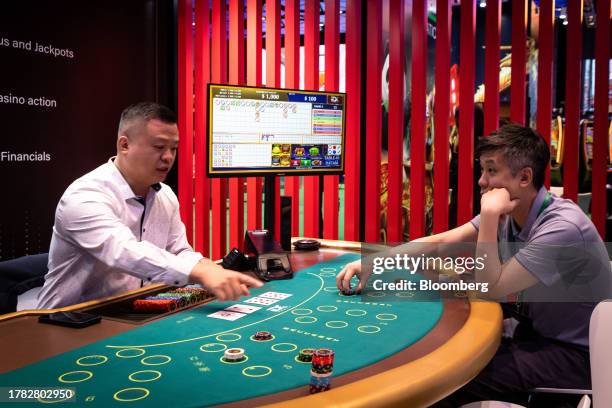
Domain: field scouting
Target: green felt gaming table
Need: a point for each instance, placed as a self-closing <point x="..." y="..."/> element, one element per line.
<point x="389" y="347"/>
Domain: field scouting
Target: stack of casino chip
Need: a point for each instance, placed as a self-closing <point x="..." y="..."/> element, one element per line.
<point x="234" y="355"/>
<point x="321" y="370"/>
<point x="306" y="355"/>
<point x="157" y="304"/>
<point x="262" y="336"/>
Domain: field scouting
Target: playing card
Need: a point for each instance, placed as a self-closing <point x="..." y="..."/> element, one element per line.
<point x="261" y="301"/>
<point x="225" y="315"/>
<point x="242" y="308"/>
<point x="275" y="295"/>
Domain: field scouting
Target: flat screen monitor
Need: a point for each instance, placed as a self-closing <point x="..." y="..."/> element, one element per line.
<point x="268" y="131"/>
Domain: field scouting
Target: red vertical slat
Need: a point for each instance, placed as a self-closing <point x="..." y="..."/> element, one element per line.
<point x="219" y="75"/>
<point x="236" y="77"/>
<point x="519" y="60"/>
<point x="572" y="100"/>
<point x="492" y="33"/>
<point x="254" y="190"/>
<point x="352" y="182"/>
<point x="292" y="81"/>
<point x="373" y="121"/>
<point x="600" y="126"/>
<point x="545" y="71"/>
<point x="202" y="76"/>
<point x="185" y="114"/>
<point x="441" y="112"/>
<point x="273" y="24"/>
<point x="396" y="120"/>
<point x="467" y="54"/>
<point x="417" y="130"/>
<point x="311" y="82"/>
<point x="332" y="42"/>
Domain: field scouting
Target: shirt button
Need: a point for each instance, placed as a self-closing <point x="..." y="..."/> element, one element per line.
<point x="144" y="229"/>
<point x="176" y="282"/>
<point x="149" y="279"/>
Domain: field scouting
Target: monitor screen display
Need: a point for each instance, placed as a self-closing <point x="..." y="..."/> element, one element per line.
<point x="268" y="131"/>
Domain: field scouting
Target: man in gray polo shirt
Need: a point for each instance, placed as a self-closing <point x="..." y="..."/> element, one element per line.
<point x="538" y="247"/>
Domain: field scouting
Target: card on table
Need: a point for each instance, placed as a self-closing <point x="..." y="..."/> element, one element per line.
<point x="242" y="308"/>
<point x="261" y="301"/>
<point x="275" y="295"/>
<point x="225" y="315"/>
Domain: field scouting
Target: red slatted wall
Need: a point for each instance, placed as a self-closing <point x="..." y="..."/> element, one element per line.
<point x="202" y="77"/>
<point x="332" y="41"/>
<point x="209" y="58"/>
<point x="466" y="111"/>
<point x="352" y="178"/>
<point x="219" y="75"/>
<point x="236" y="77"/>
<point x="292" y="81"/>
<point x="442" y="113"/>
<point x="572" y="100"/>
<point x="373" y="120"/>
<point x="311" y="82"/>
<point x="396" y="120"/>
<point x="254" y="189"/>
<point x="185" y="114"/>
<point x="418" y="122"/>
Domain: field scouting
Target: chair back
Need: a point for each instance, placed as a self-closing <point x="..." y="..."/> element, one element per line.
<point x="600" y="344"/>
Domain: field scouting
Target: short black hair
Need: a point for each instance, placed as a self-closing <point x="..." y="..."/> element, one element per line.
<point x="520" y="147"/>
<point x="145" y="111"/>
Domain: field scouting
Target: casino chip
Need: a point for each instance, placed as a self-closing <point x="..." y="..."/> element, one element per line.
<point x="306" y="355"/>
<point x="262" y="336"/>
<point x="233" y="355"/>
<point x="348" y="292"/>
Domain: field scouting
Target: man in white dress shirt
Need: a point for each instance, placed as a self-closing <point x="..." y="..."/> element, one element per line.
<point x="119" y="225"/>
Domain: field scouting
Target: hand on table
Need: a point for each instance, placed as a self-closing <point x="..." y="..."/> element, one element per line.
<point x="343" y="279"/>
<point x="223" y="283"/>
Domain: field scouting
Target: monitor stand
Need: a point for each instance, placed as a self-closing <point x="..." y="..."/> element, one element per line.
<point x="270" y="204"/>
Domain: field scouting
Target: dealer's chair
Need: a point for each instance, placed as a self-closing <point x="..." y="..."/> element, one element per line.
<point x="600" y="337"/>
<point x="18" y="276"/>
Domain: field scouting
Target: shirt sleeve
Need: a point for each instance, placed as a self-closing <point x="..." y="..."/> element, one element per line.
<point x="476" y="222"/>
<point x="89" y="221"/>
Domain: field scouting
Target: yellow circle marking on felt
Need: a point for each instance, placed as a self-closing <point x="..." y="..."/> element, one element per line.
<point x="321" y="282"/>
<point x="327" y="308"/>
<point x="88" y="375"/>
<point x="405" y="294"/>
<point x="368" y="329"/>
<point x="302" y="319"/>
<point x="460" y="294"/>
<point x="120" y="353"/>
<point x="269" y="370"/>
<point x="292" y="346"/>
<point x="131" y="376"/>
<point x="118" y="398"/>
<point x="386" y="316"/>
<point x="55" y="401"/>
<point x="330" y="289"/>
<point x="168" y="359"/>
<point x="376" y="294"/>
<point x="329" y="270"/>
<point x="261" y="341"/>
<point x="221" y="337"/>
<point x="353" y="312"/>
<point x="300" y="361"/>
<point x="103" y="359"/>
<point x="301" y="312"/>
<point x="202" y="347"/>
<point x="332" y="324"/>
<point x="327" y="274"/>
<point x="246" y="358"/>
